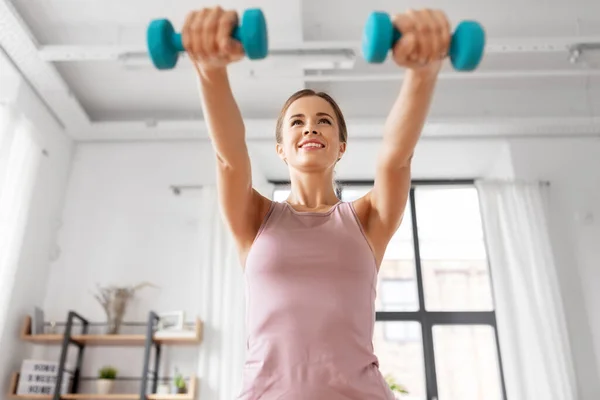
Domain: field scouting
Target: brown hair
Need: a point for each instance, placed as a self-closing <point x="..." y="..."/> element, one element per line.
<point x="309" y="92"/>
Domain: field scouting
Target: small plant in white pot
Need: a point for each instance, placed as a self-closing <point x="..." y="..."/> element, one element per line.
<point x="179" y="382"/>
<point x="106" y="380"/>
<point x="398" y="390"/>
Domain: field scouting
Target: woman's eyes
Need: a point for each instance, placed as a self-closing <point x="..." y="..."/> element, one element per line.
<point x="325" y="120"/>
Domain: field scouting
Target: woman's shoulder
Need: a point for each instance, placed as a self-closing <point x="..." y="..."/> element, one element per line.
<point x="362" y="207"/>
<point x="263" y="205"/>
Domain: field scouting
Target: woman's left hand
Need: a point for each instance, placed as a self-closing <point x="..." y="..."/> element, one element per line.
<point x="425" y="40"/>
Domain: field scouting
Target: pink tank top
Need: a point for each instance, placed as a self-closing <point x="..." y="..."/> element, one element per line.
<point x="310" y="291"/>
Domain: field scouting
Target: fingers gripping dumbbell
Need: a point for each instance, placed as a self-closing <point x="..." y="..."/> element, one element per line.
<point x="164" y="44"/>
<point x="466" y="45"/>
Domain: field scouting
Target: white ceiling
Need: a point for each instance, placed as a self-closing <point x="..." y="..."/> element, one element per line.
<point x="71" y="52"/>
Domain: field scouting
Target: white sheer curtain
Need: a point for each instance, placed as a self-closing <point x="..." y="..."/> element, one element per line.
<point x="222" y="352"/>
<point x="222" y="300"/>
<point x="529" y="310"/>
<point x="19" y="161"/>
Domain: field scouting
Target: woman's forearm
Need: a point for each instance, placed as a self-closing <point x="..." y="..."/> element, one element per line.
<point x="223" y="118"/>
<point x="407" y="116"/>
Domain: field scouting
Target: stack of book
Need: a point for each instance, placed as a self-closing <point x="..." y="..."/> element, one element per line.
<point x="39" y="377"/>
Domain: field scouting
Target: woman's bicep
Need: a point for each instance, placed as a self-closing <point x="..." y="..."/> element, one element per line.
<point x="387" y="201"/>
<point x="241" y="205"/>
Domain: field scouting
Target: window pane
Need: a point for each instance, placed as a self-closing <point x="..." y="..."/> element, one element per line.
<point x="280" y="194"/>
<point x="399" y="347"/>
<point x="466" y="362"/>
<point x="453" y="256"/>
<point x="351" y="193"/>
<point x="397" y="284"/>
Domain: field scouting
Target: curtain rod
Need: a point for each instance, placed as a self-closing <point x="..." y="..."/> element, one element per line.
<point x="176" y="189"/>
<point x="425" y="182"/>
<point x="498" y="180"/>
<point x="370" y="182"/>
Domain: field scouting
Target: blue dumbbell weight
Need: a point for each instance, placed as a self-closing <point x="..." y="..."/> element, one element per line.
<point x="466" y="45"/>
<point x="164" y="44"/>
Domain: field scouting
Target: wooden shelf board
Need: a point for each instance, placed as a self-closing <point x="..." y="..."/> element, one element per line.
<point x="91" y="396"/>
<point x="43" y="338"/>
<point x="95" y="396"/>
<point x="170" y="397"/>
<point x="191" y="395"/>
<point x="109" y="340"/>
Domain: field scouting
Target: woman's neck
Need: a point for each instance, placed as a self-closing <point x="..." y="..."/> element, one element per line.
<point x="312" y="190"/>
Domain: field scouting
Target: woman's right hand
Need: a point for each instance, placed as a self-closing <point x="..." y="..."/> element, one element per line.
<point x="207" y="39"/>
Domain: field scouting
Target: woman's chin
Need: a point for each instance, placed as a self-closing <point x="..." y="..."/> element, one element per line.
<point x="312" y="164"/>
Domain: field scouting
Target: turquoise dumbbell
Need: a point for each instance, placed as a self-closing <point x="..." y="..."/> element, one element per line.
<point x="164" y="44"/>
<point x="466" y="45"/>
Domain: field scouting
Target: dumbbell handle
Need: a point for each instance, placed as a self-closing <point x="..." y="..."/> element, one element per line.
<point x="177" y="38"/>
<point x="397" y="35"/>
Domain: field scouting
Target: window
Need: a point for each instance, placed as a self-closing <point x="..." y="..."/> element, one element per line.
<point x="398" y="295"/>
<point x="436" y="328"/>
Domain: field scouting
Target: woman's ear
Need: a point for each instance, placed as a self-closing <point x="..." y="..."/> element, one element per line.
<point x="280" y="152"/>
<point x="342" y="151"/>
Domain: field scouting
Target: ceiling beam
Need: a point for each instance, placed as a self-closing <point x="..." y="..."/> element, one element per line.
<point x="20" y="45"/>
<point x="338" y="66"/>
<point x="530" y="74"/>
<point x="334" y="61"/>
<point x="70" y="53"/>
<point x="258" y="130"/>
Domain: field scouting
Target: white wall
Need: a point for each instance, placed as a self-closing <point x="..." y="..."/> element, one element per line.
<point x="39" y="238"/>
<point x="573" y="168"/>
<point x="122" y="225"/>
<point x="434" y="159"/>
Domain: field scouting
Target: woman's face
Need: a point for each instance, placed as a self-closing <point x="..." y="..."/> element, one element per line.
<point x="310" y="135"/>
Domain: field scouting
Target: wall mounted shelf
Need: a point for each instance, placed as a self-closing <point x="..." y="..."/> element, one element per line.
<point x="110" y="340"/>
<point x="190" y="395"/>
<point x="149" y="341"/>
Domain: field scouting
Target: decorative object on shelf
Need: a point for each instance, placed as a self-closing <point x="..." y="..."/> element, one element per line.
<point x="38" y="325"/>
<point x="171" y="325"/>
<point x="179" y="382"/>
<point x="395" y="387"/>
<point x="114" y="300"/>
<point x="171" y="321"/>
<point x="38" y="377"/>
<point x="37" y="321"/>
<point x="163" y="388"/>
<point x="52" y="329"/>
<point x="106" y="380"/>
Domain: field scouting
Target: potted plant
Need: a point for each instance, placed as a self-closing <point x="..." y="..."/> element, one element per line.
<point x="395" y="387"/>
<point x="106" y="379"/>
<point x="179" y="382"/>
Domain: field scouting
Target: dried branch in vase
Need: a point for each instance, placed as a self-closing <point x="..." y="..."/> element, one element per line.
<point x="114" y="301"/>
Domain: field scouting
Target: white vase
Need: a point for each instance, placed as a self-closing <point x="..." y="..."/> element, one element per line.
<point x="104" y="386"/>
<point x="163" y="388"/>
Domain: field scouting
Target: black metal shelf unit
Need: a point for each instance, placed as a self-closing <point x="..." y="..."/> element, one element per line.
<point x="68" y="341"/>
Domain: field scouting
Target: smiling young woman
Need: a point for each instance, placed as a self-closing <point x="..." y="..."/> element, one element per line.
<point x="311" y="258"/>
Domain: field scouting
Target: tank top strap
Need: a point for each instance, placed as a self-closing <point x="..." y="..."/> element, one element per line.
<point x="272" y="215"/>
